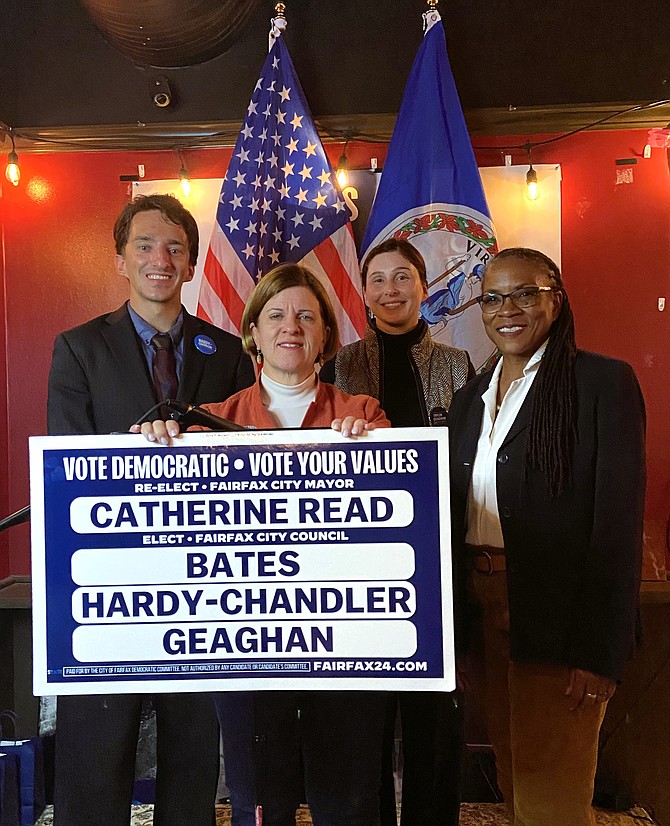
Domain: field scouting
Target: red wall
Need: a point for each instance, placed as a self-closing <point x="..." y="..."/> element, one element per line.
<point x="58" y="272"/>
<point x="616" y="265"/>
<point x="4" y="498"/>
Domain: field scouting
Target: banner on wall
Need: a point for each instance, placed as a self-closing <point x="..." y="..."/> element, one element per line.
<point x="518" y="221"/>
<point x="242" y="561"/>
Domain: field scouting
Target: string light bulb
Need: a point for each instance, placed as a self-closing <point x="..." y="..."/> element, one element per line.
<point x="185" y="181"/>
<point x="532" y="186"/>
<point x="184" y="177"/>
<point x="12" y="172"/>
<point x="342" y="173"/>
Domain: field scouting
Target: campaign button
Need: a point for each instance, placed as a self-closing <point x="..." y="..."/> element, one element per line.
<point x="205" y="345"/>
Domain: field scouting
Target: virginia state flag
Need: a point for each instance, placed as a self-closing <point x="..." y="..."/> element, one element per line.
<point x="431" y="194"/>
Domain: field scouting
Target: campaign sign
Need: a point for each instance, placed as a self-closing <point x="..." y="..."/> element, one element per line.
<point x="293" y="559"/>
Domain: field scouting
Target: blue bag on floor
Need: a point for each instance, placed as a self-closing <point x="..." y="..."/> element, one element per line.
<point x="30" y="770"/>
<point x="9" y="790"/>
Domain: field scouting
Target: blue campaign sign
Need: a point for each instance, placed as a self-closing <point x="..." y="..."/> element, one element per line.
<point x="239" y="561"/>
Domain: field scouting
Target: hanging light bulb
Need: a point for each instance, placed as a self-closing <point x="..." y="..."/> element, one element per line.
<point x="12" y="172"/>
<point x="532" y="186"/>
<point x="185" y="181"/>
<point x="343" y="169"/>
<point x="184" y="177"/>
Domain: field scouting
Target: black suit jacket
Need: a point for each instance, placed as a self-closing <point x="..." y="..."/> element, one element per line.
<point x="100" y="383"/>
<point x="573" y="562"/>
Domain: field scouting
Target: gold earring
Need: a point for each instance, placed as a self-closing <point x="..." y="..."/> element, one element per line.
<point x="259" y="357"/>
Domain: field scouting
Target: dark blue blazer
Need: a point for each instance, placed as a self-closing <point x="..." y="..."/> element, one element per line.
<point x="100" y="383"/>
<point x="573" y="562"/>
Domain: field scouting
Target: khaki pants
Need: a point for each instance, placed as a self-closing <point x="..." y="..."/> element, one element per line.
<point x="546" y="755"/>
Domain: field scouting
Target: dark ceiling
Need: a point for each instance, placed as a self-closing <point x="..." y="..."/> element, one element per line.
<point x="352" y="56"/>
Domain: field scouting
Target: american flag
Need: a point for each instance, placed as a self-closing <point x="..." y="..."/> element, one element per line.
<point x="280" y="203"/>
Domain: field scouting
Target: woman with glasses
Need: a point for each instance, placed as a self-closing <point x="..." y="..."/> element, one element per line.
<point x="548" y="479"/>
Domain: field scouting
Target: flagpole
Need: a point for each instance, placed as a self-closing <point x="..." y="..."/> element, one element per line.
<point x="277" y="28"/>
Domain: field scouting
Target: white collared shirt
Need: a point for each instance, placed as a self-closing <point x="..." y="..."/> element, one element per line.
<point x="483" y="518"/>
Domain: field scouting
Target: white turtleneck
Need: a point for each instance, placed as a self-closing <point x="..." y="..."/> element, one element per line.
<point x="288" y="403"/>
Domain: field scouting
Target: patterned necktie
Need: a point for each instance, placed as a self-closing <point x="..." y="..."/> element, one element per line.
<point x="164" y="369"/>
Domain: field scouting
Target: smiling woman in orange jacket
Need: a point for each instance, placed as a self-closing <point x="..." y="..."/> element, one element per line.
<point x="277" y="742"/>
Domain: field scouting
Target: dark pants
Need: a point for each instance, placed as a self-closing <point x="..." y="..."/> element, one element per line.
<point x="96" y="741"/>
<point x="278" y="743"/>
<point x="432" y="741"/>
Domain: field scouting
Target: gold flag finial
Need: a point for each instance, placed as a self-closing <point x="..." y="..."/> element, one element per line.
<point x="277" y="24"/>
<point x="432" y="4"/>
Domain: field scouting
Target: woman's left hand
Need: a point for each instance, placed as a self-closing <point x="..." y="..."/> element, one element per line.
<point x="588" y="689"/>
<point x="159" y="431"/>
<point x="351" y="426"/>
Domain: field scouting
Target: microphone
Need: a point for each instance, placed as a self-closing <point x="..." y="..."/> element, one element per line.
<point x="196" y="415"/>
<point x="17" y="518"/>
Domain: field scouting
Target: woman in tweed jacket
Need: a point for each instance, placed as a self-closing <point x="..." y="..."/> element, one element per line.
<point x="414" y="379"/>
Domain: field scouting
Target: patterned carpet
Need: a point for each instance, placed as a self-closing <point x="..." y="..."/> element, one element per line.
<point x="472" y="814"/>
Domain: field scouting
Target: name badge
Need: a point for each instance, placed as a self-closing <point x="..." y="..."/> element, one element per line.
<point x="438" y="417"/>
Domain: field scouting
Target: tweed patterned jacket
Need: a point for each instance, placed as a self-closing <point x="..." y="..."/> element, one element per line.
<point x="442" y="370"/>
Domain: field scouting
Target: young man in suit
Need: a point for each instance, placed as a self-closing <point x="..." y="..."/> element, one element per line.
<point x="105" y="375"/>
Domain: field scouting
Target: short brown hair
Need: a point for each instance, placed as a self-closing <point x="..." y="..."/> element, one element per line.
<point x="408" y="251"/>
<point x="170" y="208"/>
<point x="275" y="282"/>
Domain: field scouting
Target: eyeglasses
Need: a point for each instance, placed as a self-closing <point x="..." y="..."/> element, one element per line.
<point x="522" y="298"/>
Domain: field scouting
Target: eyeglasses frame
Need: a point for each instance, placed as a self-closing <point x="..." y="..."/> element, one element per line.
<point x="505" y="296"/>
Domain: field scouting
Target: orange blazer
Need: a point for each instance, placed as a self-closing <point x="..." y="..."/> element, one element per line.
<point x="246" y="408"/>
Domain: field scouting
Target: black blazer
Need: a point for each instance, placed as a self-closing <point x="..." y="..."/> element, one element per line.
<point x="99" y="380"/>
<point x="573" y="562"/>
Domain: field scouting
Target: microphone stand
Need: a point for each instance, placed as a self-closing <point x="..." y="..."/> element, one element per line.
<point x="182" y="413"/>
<point x="186" y="414"/>
<point x="16" y="518"/>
